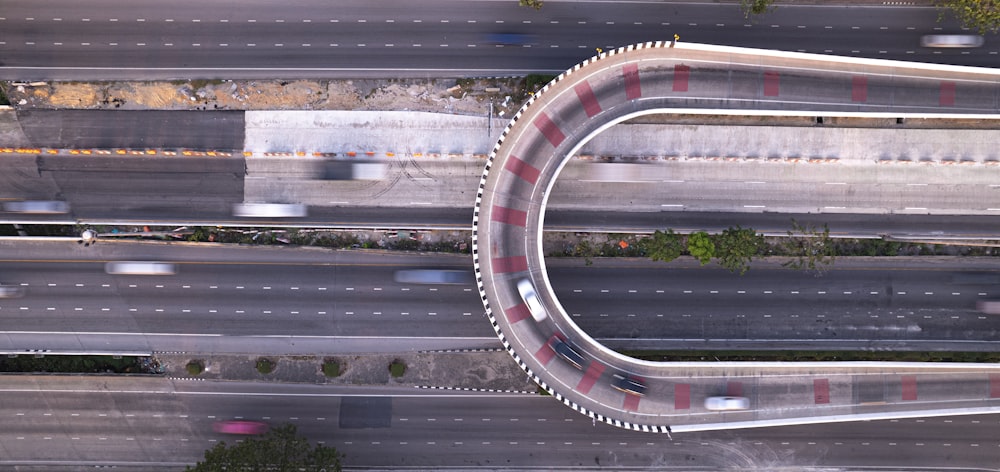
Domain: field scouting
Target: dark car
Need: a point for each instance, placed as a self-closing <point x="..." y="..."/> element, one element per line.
<point x="509" y="39"/>
<point x="628" y="385"/>
<point x="569" y="354"/>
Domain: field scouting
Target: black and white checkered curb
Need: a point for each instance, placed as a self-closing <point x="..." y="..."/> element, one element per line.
<point x="467" y="389"/>
<point x="475" y="241"/>
<point x="453" y="351"/>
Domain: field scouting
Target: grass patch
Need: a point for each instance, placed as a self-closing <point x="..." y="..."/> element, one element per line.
<point x="195" y="368"/>
<point x="331" y="368"/>
<point x="397" y="368"/>
<point x="265" y="365"/>
<point x="542" y="391"/>
<point x="3" y="96"/>
<point x="814" y="356"/>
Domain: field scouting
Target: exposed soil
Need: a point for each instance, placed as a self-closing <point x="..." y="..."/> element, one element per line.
<point x="461" y="96"/>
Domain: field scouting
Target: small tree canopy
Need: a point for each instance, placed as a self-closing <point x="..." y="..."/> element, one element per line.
<point x="980" y="15"/>
<point x="700" y="246"/>
<point x="536" y="4"/>
<point x="736" y="248"/>
<point x="810" y="247"/>
<point x="663" y="246"/>
<point x="280" y="449"/>
<point x="755" y="7"/>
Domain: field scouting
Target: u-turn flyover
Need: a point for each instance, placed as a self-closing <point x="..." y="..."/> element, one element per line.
<point x="662" y="77"/>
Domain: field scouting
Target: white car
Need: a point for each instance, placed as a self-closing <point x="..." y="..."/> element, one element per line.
<point x="951" y="41"/>
<point x="11" y="291"/>
<point x="140" y="268"/>
<point x="530" y="298"/>
<point x="40" y="207"/>
<point x="727" y="403"/>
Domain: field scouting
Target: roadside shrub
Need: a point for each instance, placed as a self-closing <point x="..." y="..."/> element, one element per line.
<point x="195" y="368"/>
<point x="397" y="368"/>
<point x="331" y="368"/>
<point x="265" y="365"/>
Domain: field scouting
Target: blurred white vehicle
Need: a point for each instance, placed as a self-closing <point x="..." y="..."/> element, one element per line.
<point x="951" y="41"/>
<point x="727" y="403"/>
<point x="11" y="291"/>
<point x="269" y="210"/>
<point x="530" y="298"/>
<point x="140" y="268"/>
<point x="37" y="207"/>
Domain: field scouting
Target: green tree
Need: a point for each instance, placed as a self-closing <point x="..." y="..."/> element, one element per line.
<point x="700" y="246"/>
<point x="280" y="450"/>
<point x="755" y="7"/>
<point x="663" y="246"/>
<point x="809" y="247"/>
<point x="536" y="4"/>
<point x="980" y="15"/>
<point x="735" y="248"/>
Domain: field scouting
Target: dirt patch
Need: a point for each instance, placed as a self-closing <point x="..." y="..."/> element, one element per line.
<point x="463" y="96"/>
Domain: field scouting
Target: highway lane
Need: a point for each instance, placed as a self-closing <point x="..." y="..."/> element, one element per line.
<point x="430" y="194"/>
<point x="107" y="39"/>
<point x="303" y="300"/>
<point x="153" y="424"/>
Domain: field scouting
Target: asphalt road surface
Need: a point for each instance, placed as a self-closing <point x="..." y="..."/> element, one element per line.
<point x="235" y="294"/>
<point x="193" y="190"/>
<point x="152" y="424"/>
<point x="108" y="129"/>
<point x="66" y="39"/>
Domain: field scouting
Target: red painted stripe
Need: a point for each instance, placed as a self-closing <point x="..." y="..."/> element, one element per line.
<point x="632" y="88"/>
<point x="587" y="98"/>
<point x="549" y="129"/>
<point x="510" y="216"/>
<point x="771" y="84"/>
<point x="682" y="396"/>
<point x="503" y="265"/>
<point x="859" y="89"/>
<point x="734" y="389"/>
<point x="994" y="385"/>
<point x="590" y="378"/>
<point x="909" y="387"/>
<point x="517" y="313"/>
<point x="522" y="169"/>
<point x="631" y="402"/>
<point x="681" y="75"/>
<point x="947" y="94"/>
<point x="545" y="354"/>
<point x="821" y="390"/>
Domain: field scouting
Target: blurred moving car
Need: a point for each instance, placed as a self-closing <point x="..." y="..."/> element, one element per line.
<point x="990" y="307"/>
<point x="240" y="427"/>
<point x="727" y="403"/>
<point x="509" y="39"/>
<point x="628" y="385"/>
<point x="11" y="291"/>
<point x="568" y="352"/>
<point x="434" y="276"/>
<point x="341" y="170"/>
<point x="40" y="207"/>
<point x="270" y="210"/>
<point x="530" y="298"/>
<point x="951" y="41"/>
<point x="140" y="268"/>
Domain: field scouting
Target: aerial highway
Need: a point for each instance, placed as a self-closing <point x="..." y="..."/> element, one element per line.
<point x="644" y="79"/>
<point x="153" y="424"/>
<point x="442" y="38"/>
